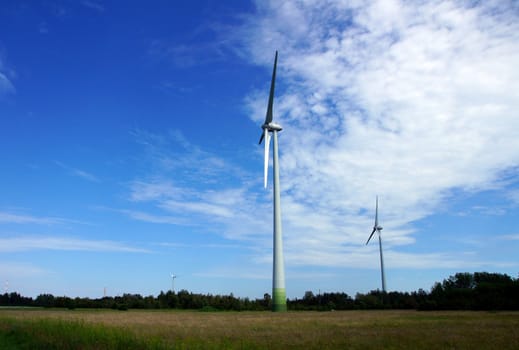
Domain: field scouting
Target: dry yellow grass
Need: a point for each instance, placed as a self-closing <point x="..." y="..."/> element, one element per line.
<point x="305" y="330"/>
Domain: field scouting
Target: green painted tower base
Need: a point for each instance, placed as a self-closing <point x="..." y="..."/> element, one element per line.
<point x="279" y="300"/>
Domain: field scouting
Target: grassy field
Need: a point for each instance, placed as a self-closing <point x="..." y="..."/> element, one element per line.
<point x="107" y="329"/>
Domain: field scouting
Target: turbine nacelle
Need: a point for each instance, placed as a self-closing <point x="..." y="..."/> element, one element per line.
<point x="271" y="127"/>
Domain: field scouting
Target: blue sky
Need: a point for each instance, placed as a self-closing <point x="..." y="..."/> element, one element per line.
<point x="129" y="133"/>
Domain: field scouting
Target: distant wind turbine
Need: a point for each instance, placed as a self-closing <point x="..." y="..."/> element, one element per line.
<point x="173" y="282"/>
<point x="279" y="302"/>
<point x="378" y="228"/>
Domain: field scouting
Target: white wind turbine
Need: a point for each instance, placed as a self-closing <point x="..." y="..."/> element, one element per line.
<point x="378" y="228"/>
<point x="278" y="278"/>
<point x="173" y="282"/>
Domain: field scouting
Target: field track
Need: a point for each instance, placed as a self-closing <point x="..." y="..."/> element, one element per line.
<point x="107" y="329"/>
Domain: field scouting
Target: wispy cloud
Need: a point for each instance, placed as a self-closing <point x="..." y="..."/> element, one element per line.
<point x="78" y="172"/>
<point x="235" y="273"/>
<point x="204" y="45"/>
<point x="230" y="211"/>
<point x="94" y="5"/>
<point x="11" y="218"/>
<point x="206" y="246"/>
<point x="362" y="258"/>
<point x="182" y="55"/>
<point x="173" y="154"/>
<point x="6" y="86"/>
<point x="510" y="237"/>
<point x="191" y="186"/>
<point x="28" y="243"/>
<point x="514" y="196"/>
<point x="43" y="28"/>
<point x="155" y="219"/>
<point x="10" y="269"/>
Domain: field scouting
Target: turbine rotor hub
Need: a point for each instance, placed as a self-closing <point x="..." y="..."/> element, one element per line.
<point x="272" y="127"/>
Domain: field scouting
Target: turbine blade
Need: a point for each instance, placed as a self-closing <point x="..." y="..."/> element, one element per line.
<point x="372" y="232"/>
<point x="376" y="213"/>
<point x="268" y="117"/>
<point x="261" y="138"/>
<point x="267" y="154"/>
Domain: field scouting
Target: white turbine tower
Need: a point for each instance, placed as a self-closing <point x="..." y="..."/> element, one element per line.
<point x="279" y="300"/>
<point x="173" y="282"/>
<point x="378" y="228"/>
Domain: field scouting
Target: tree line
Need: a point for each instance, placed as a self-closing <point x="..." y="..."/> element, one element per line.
<point x="462" y="291"/>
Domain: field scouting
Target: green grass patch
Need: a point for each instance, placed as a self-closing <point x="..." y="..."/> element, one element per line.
<point x="67" y="334"/>
<point x="138" y="329"/>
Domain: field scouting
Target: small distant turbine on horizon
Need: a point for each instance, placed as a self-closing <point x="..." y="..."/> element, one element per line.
<point x="173" y="282"/>
<point x="279" y="300"/>
<point x="378" y="228"/>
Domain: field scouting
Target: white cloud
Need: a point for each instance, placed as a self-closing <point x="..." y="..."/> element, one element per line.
<point x="28" y="243"/>
<point x="410" y="101"/>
